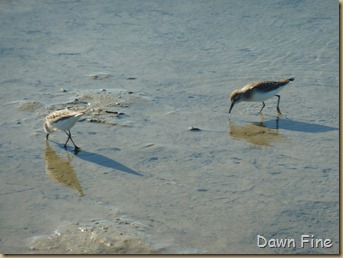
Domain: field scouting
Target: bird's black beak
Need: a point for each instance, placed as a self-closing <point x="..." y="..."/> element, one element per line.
<point x="232" y="104"/>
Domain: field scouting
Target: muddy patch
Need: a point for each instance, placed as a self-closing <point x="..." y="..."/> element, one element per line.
<point x="100" y="76"/>
<point x="117" y="236"/>
<point x="105" y="106"/>
<point x="29" y="105"/>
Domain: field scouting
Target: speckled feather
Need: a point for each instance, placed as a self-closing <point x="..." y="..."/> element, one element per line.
<point x="61" y="120"/>
<point x="61" y="114"/>
<point x="265" y="86"/>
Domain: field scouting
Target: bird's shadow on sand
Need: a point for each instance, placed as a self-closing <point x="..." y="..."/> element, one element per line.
<point x="100" y="160"/>
<point x="292" y="125"/>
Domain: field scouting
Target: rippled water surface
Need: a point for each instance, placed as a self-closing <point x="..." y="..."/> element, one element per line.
<point x="147" y="72"/>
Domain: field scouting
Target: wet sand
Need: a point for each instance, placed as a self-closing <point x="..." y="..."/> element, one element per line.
<point x="145" y="73"/>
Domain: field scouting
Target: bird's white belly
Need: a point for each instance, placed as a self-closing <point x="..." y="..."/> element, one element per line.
<point x="66" y="124"/>
<point x="262" y="96"/>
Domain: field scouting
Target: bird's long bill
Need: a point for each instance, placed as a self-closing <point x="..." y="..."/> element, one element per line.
<point x="232" y="104"/>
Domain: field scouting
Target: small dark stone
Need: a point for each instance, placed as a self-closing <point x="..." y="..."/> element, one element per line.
<point x="194" y="129"/>
<point x="112" y="112"/>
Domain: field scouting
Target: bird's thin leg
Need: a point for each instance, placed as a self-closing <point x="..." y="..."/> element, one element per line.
<point x="277" y="107"/>
<point x="277" y="122"/>
<point x="69" y="137"/>
<point x="76" y="148"/>
<point x="262" y="108"/>
<point x="47" y="136"/>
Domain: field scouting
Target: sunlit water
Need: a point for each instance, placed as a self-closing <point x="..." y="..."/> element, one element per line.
<point x="207" y="191"/>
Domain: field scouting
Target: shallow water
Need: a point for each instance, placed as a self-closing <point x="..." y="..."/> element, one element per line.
<point x="147" y="71"/>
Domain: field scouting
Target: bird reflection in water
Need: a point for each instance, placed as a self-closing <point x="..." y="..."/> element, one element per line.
<point x="258" y="133"/>
<point x="61" y="170"/>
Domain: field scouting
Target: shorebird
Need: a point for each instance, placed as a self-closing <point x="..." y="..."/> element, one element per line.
<point x="62" y="120"/>
<point x="259" y="91"/>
